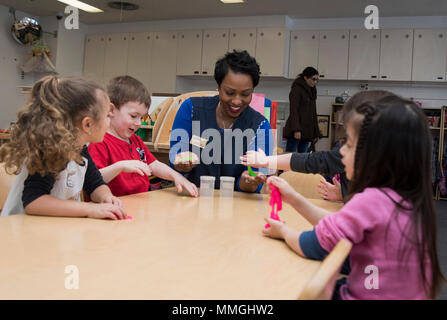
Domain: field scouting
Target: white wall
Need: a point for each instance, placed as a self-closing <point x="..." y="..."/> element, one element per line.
<point x="12" y="54"/>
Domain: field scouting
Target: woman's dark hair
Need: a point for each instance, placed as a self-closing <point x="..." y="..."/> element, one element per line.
<point x="394" y="150"/>
<point x="238" y="62"/>
<point x="309" y="72"/>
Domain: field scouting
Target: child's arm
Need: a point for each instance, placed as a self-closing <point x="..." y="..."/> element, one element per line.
<point x="47" y="205"/>
<point x="163" y="171"/>
<point x="309" y="211"/>
<point x="258" y="159"/>
<point x="109" y="173"/>
<point x="279" y="230"/>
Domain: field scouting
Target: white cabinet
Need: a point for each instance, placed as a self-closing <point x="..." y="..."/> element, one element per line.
<point x="164" y="62"/>
<point x="139" y="57"/>
<point x="243" y="39"/>
<point x="94" y="57"/>
<point x="303" y="51"/>
<point x="189" y="52"/>
<point x="364" y="55"/>
<point x="333" y="54"/>
<point x="115" y="60"/>
<point x="429" y="55"/>
<point x="215" y="46"/>
<point x="396" y="52"/>
<point x="270" y="51"/>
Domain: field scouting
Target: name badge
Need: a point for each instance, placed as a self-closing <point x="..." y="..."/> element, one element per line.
<point x="198" y="142"/>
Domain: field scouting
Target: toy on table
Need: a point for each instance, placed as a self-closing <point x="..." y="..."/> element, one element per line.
<point x="275" y="198"/>
<point x="251" y="172"/>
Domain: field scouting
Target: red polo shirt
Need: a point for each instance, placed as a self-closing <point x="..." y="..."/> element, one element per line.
<point x="112" y="150"/>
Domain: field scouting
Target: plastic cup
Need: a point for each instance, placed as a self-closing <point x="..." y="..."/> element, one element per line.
<point x="226" y="186"/>
<point x="207" y="186"/>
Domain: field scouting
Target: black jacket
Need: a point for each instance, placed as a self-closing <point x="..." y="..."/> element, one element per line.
<point x="323" y="162"/>
<point x="303" y="111"/>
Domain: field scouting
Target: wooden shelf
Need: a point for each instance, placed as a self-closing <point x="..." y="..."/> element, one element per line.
<point x="435" y="128"/>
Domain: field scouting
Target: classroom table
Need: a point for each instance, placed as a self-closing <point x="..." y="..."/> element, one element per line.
<point x="175" y="247"/>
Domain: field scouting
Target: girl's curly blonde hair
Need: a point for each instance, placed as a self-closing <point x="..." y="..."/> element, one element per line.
<point x="46" y="131"/>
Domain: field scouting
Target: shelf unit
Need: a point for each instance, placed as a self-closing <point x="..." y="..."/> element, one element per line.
<point x="442" y="148"/>
<point x="439" y="129"/>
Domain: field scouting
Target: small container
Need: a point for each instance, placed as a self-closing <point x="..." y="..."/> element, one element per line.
<point x="207" y="186"/>
<point x="226" y="186"/>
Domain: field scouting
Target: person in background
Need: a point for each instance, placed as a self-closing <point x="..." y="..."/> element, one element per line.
<point x="302" y="125"/>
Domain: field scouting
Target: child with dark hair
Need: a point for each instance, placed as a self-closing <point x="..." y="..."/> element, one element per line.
<point x="389" y="218"/>
<point x="122" y="158"/>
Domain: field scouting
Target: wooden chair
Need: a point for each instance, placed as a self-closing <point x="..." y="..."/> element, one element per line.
<point x="162" y="140"/>
<point x="304" y="183"/>
<point x="6" y="181"/>
<point x="321" y="285"/>
<point x="160" y="113"/>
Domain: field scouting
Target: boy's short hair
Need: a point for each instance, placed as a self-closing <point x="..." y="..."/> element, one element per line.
<point x="123" y="89"/>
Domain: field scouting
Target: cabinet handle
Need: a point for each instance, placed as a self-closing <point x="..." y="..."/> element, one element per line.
<point x="440" y="78"/>
<point x="373" y="77"/>
<point x="321" y="75"/>
<point x="196" y="72"/>
<point x="374" y="36"/>
<point x="204" y="72"/>
<point x="313" y="37"/>
<point x="251" y="34"/>
<point x="355" y="36"/>
<point x="384" y="77"/>
<point x="234" y="35"/>
<point x="262" y="33"/>
<point x="295" y="37"/>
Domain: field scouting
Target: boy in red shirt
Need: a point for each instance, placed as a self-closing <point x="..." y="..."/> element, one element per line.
<point x="122" y="158"/>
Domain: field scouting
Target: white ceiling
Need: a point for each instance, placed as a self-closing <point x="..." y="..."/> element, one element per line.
<point x="189" y="9"/>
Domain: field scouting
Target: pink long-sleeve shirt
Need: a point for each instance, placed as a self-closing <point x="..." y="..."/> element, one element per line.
<point x="378" y="231"/>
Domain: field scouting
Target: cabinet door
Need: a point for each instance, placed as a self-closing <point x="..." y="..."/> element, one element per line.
<point x="164" y="62"/>
<point x="215" y="46"/>
<point x="94" y="57"/>
<point x="333" y="54"/>
<point x="189" y="52"/>
<point x="139" y="57"/>
<point x="270" y="48"/>
<point x="396" y="52"/>
<point x="364" y="54"/>
<point x="429" y="55"/>
<point x="303" y="51"/>
<point x="243" y="39"/>
<point x="115" y="61"/>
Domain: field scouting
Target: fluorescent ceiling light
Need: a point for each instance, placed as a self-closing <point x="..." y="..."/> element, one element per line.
<point x="81" y="5"/>
<point x="232" y="1"/>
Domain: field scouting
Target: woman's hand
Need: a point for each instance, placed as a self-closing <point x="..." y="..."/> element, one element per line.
<point x="288" y="194"/>
<point x="249" y="183"/>
<point x="106" y="211"/>
<point x="329" y="191"/>
<point x="297" y="135"/>
<point x="185" y="161"/>
<point x="181" y="182"/>
<point x="136" y="166"/>
<point x="255" y="159"/>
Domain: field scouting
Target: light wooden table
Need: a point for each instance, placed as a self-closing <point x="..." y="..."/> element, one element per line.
<point x="175" y="247"/>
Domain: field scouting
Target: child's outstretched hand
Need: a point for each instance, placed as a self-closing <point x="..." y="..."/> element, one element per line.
<point x="181" y="182"/>
<point x="106" y="211"/>
<point x="329" y="191"/>
<point x="185" y="161"/>
<point x="288" y="194"/>
<point x="276" y="229"/>
<point x="135" y="166"/>
<point x="255" y="159"/>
